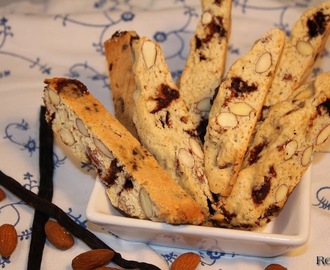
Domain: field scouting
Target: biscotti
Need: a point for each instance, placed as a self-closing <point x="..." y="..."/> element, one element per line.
<point x="236" y="109"/>
<point x="163" y="123"/>
<point x="304" y="46"/>
<point x="135" y="182"/>
<point x="206" y="61"/>
<point x="119" y="58"/>
<point x="280" y="154"/>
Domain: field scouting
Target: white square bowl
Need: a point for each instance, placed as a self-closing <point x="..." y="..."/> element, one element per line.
<point x="287" y="231"/>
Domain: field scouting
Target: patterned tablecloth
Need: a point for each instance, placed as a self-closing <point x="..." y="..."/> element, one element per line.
<point x="48" y="38"/>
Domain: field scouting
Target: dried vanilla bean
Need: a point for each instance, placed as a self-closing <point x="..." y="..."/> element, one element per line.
<point x="46" y="172"/>
<point x="54" y="211"/>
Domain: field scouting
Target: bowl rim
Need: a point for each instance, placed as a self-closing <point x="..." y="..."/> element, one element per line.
<point x="300" y="237"/>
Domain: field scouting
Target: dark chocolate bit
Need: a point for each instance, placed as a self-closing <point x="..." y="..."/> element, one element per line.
<point x="128" y="184"/>
<point x="316" y="25"/>
<point x="46" y="171"/>
<point x="80" y="88"/>
<point x="166" y="95"/>
<point x="240" y="86"/>
<point x="271" y="211"/>
<point x="215" y="27"/>
<point x="324" y="107"/>
<point x="259" y="194"/>
<point x="53" y="211"/>
<point x="112" y="173"/>
<point x="255" y="151"/>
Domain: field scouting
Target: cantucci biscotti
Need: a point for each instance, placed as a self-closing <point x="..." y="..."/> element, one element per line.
<point x="119" y="58"/>
<point x="236" y="109"/>
<point x="135" y="182"/>
<point x="304" y="46"/>
<point x="206" y="61"/>
<point x="163" y="123"/>
<point x="280" y="154"/>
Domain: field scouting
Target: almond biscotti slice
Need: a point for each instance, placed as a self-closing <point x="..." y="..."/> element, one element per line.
<point x="280" y="154"/>
<point x="236" y="109"/>
<point x="163" y="123"/>
<point x="206" y="61"/>
<point x="305" y="44"/>
<point x="119" y="58"/>
<point x="135" y="182"/>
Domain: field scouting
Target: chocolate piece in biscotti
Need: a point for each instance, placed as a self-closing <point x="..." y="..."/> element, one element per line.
<point x="119" y="58"/>
<point x="135" y="182"/>
<point x="206" y="60"/>
<point x="236" y="109"/>
<point x="304" y="46"/>
<point x="163" y="123"/>
<point x="280" y="154"/>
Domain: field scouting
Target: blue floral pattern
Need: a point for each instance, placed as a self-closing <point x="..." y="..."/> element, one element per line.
<point x="19" y="60"/>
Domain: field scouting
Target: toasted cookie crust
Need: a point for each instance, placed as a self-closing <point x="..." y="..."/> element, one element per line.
<point x="236" y="109"/>
<point x="280" y="154"/>
<point x="135" y="182"/>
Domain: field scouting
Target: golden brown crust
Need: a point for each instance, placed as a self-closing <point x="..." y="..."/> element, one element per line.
<point x="280" y="154"/>
<point x="121" y="162"/>
<point x="119" y="58"/>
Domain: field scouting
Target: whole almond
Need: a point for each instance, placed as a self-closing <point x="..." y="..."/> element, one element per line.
<point x="275" y="266"/>
<point x="92" y="259"/>
<point x="8" y="240"/>
<point x="186" y="261"/>
<point x="58" y="236"/>
<point x="2" y="195"/>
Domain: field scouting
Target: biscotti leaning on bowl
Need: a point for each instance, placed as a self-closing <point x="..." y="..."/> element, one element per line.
<point x="135" y="183"/>
<point x="236" y="109"/>
<point x="279" y="155"/>
<point x="158" y="113"/>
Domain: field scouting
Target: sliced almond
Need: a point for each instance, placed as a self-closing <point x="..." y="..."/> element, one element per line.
<point x="103" y="149"/>
<point x="146" y="203"/>
<point x="149" y="53"/>
<point x="264" y="63"/>
<point x="185" y="158"/>
<point x="240" y="108"/>
<point x="206" y="18"/>
<point x="290" y="148"/>
<point x="281" y="193"/>
<point x="204" y="105"/>
<point x="81" y="127"/>
<point x="307" y="156"/>
<point x="226" y="119"/>
<point x="323" y="135"/>
<point x="53" y="97"/>
<point x="67" y="137"/>
<point x="304" y="48"/>
<point x="196" y="148"/>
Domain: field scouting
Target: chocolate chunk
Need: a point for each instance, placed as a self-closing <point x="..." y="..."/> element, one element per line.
<point x="325" y="106"/>
<point x="80" y="88"/>
<point x="240" y="86"/>
<point x="255" y="151"/>
<point x="259" y="194"/>
<point x="165" y="97"/>
<point x="316" y="25"/>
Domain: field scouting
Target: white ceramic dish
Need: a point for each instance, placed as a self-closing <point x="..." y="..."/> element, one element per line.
<point x="286" y="232"/>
